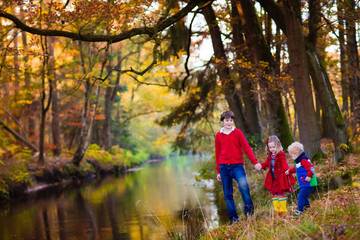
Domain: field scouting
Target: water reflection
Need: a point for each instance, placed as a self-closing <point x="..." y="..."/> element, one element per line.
<point x="161" y="201"/>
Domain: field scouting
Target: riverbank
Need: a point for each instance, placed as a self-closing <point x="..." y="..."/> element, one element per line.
<point x="20" y="177"/>
<point x="336" y="215"/>
<point x="335" y="211"/>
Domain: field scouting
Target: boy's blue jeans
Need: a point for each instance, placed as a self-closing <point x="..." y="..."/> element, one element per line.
<point x="303" y="197"/>
<point x="228" y="172"/>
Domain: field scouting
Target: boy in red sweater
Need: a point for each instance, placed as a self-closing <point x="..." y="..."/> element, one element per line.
<point x="230" y="144"/>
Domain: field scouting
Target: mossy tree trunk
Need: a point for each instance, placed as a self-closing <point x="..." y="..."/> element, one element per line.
<point x="335" y="124"/>
<point x="353" y="61"/>
<point x="308" y="129"/>
<point x="278" y="123"/>
<point x="343" y="62"/>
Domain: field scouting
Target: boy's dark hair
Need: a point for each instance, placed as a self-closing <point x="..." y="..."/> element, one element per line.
<point x="227" y="114"/>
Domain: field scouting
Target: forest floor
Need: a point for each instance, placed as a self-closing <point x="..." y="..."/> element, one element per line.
<point x="335" y="216"/>
<point x="334" y="213"/>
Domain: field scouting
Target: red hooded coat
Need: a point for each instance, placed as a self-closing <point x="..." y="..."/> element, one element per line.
<point x="280" y="166"/>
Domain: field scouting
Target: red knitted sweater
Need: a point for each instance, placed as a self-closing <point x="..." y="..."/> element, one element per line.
<point x="229" y="149"/>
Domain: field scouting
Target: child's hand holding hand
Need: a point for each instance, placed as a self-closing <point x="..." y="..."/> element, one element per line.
<point x="308" y="179"/>
<point x="287" y="172"/>
<point x="218" y="177"/>
<point x="258" y="166"/>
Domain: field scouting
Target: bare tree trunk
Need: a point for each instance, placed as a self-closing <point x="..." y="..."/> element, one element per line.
<point x="109" y="101"/>
<point x="268" y="29"/>
<point x="343" y="62"/>
<point x="31" y="107"/>
<point x="223" y="70"/>
<point x="45" y="103"/>
<point x="16" y="72"/>
<point x="84" y="143"/>
<point x="276" y="114"/>
<point x="353" y="60"/>
<point x="90" y="130"/>
<point x="278" y="46"/>
<point x="81" y="148"/>
<point x="55" y="122"/>
<point x="79" y="154"/>
<point x="309" y="133"/>
<point x="106" y="135"/>
<point x="252" y="121"/>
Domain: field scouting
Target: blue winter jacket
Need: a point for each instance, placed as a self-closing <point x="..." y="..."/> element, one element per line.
<point x="301" y="172"/>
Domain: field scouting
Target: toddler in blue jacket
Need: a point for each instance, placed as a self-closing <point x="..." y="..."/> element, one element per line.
<point x="305" y="175"/>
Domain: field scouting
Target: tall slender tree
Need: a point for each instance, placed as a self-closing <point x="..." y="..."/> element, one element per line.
<point x="110" y="94"/>
<point x="343" y="61"/>
<point x="353" y="59"/>
<point x="45" y="98"/>
<point x="55" y="112"/>
<point x="30" y="108"/>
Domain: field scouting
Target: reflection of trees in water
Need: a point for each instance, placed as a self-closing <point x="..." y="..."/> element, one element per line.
<point x="41" y="225"/>
<point x="46" y="223"/>
<point x="91" y="226"/>
<point x="98" y="221"/>
<point x="110" y="203"/>
<point x="61" y="220"/>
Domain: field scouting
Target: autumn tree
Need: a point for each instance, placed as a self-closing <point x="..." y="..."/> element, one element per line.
<point x="87" y="21"/>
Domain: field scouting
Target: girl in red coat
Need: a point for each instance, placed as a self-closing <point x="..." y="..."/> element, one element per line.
<point x="276" y="181"/>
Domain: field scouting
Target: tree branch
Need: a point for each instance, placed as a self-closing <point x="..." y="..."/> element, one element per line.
<point x="188" y="54"/>
<point x="152" y="84"/>
<point x="150" y="31"/>
<point x="332" y="29"/>
<point x="157" y="44"/>
<point x="18" y="136"/>
<point x="275" y="13"/>
<point x="16" y="121"/>
<point x="138" y="115"/>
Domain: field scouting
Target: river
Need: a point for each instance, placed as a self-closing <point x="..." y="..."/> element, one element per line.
<point x="159" y="200"/>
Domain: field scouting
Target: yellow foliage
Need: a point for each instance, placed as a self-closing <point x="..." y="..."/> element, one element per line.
<point x="161" y="141"/>
<point x="162" y="74"/>
<point x="24" y="102"/>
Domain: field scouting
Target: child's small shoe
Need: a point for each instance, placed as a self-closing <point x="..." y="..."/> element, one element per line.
<point x="297" y="213"/>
